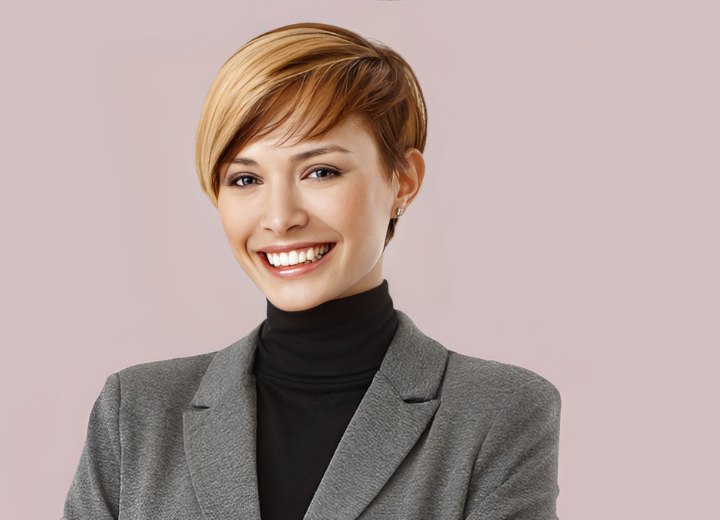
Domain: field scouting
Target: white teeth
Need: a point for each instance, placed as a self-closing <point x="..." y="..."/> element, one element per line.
<point x="294" y="257"/>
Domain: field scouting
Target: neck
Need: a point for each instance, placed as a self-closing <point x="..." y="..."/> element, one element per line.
<point x="341" y="338"/>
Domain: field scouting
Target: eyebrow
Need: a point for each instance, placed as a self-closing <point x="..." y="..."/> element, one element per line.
<point x="298" y="157"/>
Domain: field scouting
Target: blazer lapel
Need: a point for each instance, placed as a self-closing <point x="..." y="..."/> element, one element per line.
<point x="396" y="409"/>
<point x="219" y="434"/>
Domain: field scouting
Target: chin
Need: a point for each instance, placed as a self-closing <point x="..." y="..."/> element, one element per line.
<point x="297" y="302"/>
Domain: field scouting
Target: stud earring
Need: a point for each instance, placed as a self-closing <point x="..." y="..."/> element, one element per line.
<point x="399" y="212"/>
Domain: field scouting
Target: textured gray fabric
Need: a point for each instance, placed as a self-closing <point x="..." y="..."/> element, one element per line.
<point x="438" y="435"/>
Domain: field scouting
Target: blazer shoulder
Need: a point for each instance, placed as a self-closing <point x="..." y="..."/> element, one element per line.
<point x="163" y="382"/>
<point x="491" y="383"/>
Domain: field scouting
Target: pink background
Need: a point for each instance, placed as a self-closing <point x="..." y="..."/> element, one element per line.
<point x="568" y="222"/>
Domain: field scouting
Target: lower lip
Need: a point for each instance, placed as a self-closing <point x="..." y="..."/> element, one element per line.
<point x="292" y="271"/>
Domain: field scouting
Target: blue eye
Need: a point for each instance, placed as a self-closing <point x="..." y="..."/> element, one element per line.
<point x="323" y="173"/>
<point x="243" y="180"/>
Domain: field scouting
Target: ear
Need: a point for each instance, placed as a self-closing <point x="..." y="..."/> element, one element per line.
<point x="407" y="182"/>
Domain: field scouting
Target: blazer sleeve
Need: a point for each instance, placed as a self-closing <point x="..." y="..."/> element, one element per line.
<point x="95" y="489"/>
<point x="515" y="473"/>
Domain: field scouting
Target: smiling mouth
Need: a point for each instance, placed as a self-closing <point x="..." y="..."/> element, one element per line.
<point x="306" y="255"/>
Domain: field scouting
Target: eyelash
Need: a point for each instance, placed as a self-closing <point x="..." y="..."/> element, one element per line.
<point x="332" y="171"/>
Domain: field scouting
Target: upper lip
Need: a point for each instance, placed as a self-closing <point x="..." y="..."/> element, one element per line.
<point x="291" y="247"/>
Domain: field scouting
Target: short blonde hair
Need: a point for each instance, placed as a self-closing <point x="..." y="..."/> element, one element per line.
<point x="317" y="74"/>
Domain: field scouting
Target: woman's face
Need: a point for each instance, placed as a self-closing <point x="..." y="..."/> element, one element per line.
<point x="307" y="220"/>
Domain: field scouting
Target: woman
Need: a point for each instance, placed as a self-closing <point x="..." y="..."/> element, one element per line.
<point x="336" y="406"/>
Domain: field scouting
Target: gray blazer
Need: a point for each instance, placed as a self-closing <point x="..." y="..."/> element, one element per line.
<point x="438" y="435"/>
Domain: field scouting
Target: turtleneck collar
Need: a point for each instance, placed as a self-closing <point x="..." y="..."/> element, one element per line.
<point x="339" y="340"/>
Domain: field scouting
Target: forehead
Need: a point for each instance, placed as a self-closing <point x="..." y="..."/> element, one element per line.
<point x="351" y="132"/>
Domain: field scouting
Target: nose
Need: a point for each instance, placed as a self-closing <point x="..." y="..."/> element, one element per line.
<point x="283" y="209"/>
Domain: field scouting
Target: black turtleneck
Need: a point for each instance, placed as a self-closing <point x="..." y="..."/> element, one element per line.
<point x="312" y="369"/>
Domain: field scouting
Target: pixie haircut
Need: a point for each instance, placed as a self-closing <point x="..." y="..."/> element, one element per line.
<point x="310" y="76"/>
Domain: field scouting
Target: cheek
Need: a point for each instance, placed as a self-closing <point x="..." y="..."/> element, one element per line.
<point x="361" y="215"/>
<point x="235" y="227"/>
